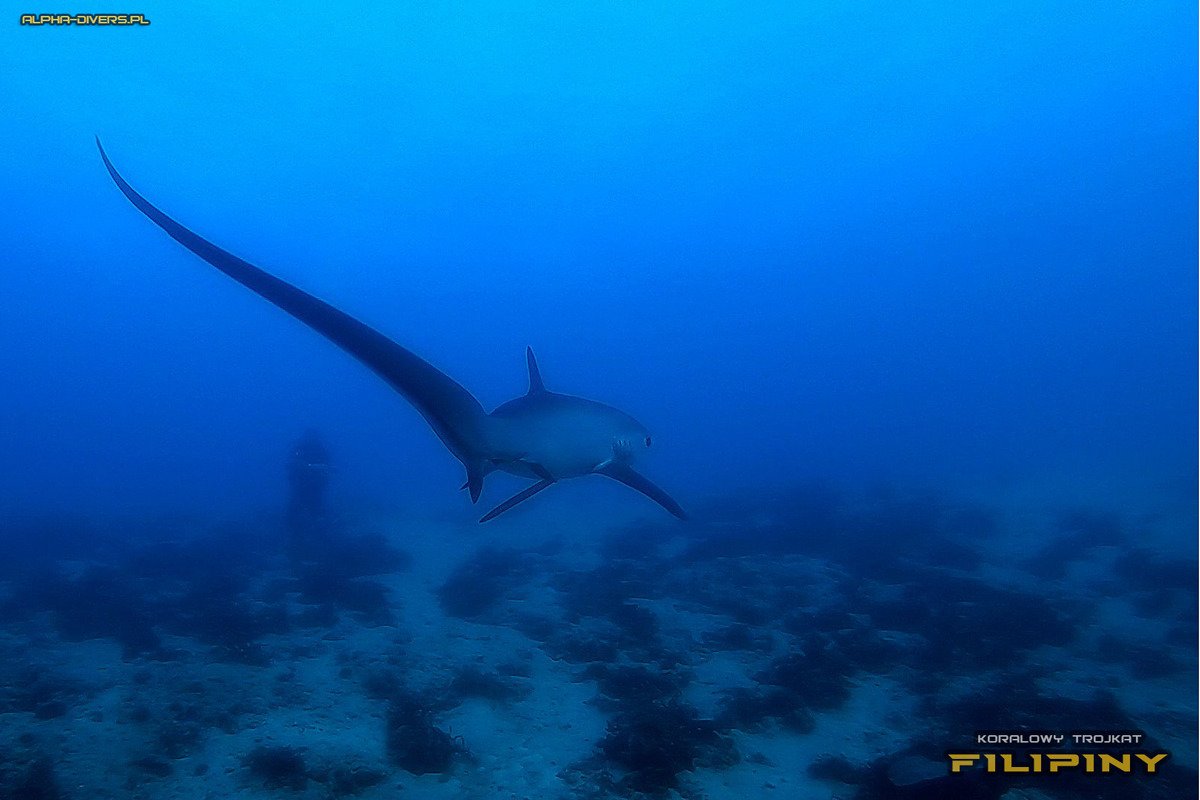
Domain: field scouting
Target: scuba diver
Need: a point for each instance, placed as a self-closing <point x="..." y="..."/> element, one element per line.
<point x="308" y="472"/>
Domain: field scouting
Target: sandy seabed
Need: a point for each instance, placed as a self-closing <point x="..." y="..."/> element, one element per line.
<point x="806" y="644"/>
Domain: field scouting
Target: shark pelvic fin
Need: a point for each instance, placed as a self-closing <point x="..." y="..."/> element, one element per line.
<point x="535" y="375"/>
<point x="539" y="470"/>
<point x="475" y="474"/>
<point x="519" y="497"/>
<point x="534" y="467"/>
<point x="632" y="479"/>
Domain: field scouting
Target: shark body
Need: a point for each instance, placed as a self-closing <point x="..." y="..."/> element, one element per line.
<point x="542" y="435"/>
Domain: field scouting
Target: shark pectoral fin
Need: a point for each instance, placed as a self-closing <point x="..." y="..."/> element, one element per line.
<point x="626" y="475"/>
<point x="519" y="497"/>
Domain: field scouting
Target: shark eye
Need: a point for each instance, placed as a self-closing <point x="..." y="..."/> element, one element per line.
<point x="647" y="441"/>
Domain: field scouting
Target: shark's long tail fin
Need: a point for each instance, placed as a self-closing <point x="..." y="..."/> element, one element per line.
<point x="453" y="413"/>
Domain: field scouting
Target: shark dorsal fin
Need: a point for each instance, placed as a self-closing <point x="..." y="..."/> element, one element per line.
<point x="535" y="377"/>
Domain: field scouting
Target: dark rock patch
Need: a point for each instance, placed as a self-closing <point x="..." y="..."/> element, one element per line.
<point x="415" y="744"/>
<point x="751" y="709"/>
<point x="101" y="603"/>
<point x="230" y="624"/>
<point x="479" y="583"/>
<point x="818" y="674"/>
<point x="953" y="613"/>
<point x="32" y="779"/>
<point x="153" y="766"/>
<point x="1075" y="536"/>
<point x="635" y="685"/>
<point x="40" y="691"/>
<point x="331" y="589"/>
<point x="342" y="780"/>
<point x="471" y="682"/>
<point x="837" y="769"/>
<point x="1146" y="570"/>
<point x="653" y="744"/>
<point x="576" y="647"/>
<point x="738" y="637"/>
<point x="275" y="767"/>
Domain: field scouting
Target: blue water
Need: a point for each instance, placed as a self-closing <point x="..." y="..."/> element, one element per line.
<point x="949" y="246"/>
<point x="928" y="241"/>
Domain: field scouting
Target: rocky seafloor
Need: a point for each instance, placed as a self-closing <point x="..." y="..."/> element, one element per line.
<point x="807" y="642"/>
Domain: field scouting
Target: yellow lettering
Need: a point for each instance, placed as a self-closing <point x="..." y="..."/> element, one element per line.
<point x="1007" y="758"/>
<point x="84" y="19"/>
<point x="1108" y="761"/>
<point x="1151" y="761"/>
<point x="1061" y="760"/>
<point x="960" y="760"/>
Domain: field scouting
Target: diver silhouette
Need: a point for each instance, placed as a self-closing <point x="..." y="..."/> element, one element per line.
<point x="308" y="472"/>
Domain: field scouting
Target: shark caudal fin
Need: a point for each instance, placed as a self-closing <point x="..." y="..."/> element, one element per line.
<point x="453" y="413"/>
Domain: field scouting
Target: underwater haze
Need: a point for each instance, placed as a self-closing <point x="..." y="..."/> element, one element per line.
<point x="935" y="242"/>
<point x="905" y="293"/>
